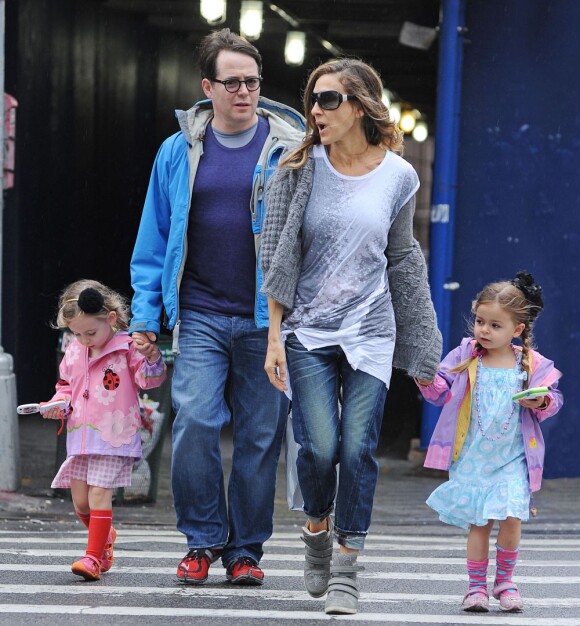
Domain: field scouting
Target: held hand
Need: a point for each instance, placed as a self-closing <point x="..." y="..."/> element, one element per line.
<point x="145" y="345"/>
<point x="144" y="337"/>
<point x="275" y="365"/>
<point x="539" y="402"/>
<point x="52" y="414"/>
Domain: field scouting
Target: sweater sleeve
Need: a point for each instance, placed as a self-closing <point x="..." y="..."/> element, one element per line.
<point x="287" y="197"/>
<point x="418" y="344"/>
<point x="401" y="235"/>
<point x="277" y="195"/>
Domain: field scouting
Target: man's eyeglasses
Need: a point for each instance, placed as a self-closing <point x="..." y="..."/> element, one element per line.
<point x="233" y="85"/>
<point x="329" y="100"/>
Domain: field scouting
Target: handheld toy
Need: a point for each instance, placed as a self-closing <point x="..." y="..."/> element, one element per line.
<point x="532" y="392"/>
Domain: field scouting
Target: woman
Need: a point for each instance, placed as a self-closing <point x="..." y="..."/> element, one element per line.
<point x="337" y="305"/>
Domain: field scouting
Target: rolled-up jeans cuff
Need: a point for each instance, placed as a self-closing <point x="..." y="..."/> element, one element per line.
<point x="317" y="520"/>
<point x="353" y="542"/>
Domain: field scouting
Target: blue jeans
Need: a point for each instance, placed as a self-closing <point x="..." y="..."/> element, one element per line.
<point x="328" y="436"/>
<point x="222" y="355"/>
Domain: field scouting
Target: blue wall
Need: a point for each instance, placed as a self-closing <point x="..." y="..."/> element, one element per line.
<point x="518" y="195"/>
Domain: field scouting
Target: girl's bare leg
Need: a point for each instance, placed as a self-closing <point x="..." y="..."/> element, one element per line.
<point x="478" y="542"/>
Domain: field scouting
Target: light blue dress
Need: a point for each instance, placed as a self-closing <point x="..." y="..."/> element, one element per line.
<point x="489" y="480"/>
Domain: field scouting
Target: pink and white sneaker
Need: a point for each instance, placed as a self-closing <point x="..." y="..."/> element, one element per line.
<point x="509" y="597"/>
<point x="476" y="601"/>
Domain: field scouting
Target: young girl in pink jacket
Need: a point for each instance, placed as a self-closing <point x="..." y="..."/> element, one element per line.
<point x="100" y="376"/>
<point x="492" y="445"/>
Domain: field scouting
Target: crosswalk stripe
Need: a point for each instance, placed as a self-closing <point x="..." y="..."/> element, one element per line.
<point x="177" y="556"/>
<point x="270" y="595"/>
<point x="215" y="613"/>
<point x="397" y="552"/>
<point x="546" y="545"/>
<point x="286" y="573"/>
<point x="168" y="536"/>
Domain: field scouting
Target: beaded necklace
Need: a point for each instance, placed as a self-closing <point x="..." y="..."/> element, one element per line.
<point x="505" y="426"/>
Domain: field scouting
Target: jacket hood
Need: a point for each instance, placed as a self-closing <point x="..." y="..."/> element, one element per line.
<point x="287" y="120"/>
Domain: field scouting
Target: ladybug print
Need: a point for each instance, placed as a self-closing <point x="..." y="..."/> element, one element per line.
<point x="111" y="380"/>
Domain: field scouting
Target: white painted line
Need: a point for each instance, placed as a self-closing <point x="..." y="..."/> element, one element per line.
<point x="269" y="595"/>
<point x="546" y="545"/>
<point x="278" y="557"/>
<point x="288" y="573"/>
<point x="374" y="541"/>
<point x="384" y="618"/>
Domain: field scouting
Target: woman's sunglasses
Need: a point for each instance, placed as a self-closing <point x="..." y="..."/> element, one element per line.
<point x="329" y="100"/>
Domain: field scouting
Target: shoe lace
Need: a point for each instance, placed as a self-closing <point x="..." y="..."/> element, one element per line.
<point x="197" y="554"/>
<point x="245" y="561"/>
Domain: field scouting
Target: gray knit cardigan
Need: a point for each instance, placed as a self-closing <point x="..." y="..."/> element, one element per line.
<point x="418" y="339"/>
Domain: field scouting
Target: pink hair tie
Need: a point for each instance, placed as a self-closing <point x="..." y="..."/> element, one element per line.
<point x="477" y="351"/>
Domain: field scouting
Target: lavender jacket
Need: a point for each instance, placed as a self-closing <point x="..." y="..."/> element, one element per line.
<point x="453" y="392"/>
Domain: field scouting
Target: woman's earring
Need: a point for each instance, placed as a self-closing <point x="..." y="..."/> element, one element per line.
<point x="115" y="329"/>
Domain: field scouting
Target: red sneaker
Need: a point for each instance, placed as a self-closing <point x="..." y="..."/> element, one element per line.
<point x="87" y="567"/>
<point x="194" y="566"/>
<point x="107" y="557"/>
<point x="245" y="571"/>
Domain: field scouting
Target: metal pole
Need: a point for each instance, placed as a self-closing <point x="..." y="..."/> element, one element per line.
<point x="9" y="440"/>
<point x="445" y="181"/>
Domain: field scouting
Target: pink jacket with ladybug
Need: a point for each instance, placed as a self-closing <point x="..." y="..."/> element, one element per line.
<point x="104" y="395"/>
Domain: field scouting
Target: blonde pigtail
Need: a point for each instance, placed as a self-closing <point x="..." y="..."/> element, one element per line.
<point x="526" y="338"/>
<point x="463" y="366"/>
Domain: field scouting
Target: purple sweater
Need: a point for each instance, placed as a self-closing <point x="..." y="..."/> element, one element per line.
<point x="220" y="271"/>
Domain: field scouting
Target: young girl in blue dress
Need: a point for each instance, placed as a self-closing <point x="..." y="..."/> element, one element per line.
<point x="491" y="445"/>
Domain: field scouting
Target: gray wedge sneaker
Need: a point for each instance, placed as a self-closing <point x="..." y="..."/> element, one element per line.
<point x="318" y="554"/>
<point x="343" y="588"/>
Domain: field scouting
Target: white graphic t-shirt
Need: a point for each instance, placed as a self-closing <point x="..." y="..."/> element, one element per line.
<point x="342" y="296"/>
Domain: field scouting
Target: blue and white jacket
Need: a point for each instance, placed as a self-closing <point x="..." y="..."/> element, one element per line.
<point x="161" y="247"/>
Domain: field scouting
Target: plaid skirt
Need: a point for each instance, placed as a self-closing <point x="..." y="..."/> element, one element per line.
<point x="97" y="470"/>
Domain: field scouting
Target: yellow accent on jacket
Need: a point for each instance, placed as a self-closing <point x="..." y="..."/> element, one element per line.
<point x="464" y="416"/>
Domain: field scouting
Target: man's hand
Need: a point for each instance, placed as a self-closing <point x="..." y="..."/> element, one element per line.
<point x="145" y="344"/>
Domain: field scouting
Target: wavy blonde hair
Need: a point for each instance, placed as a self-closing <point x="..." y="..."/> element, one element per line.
<point x="68" y="306"/>
<point x="363" y="82"/>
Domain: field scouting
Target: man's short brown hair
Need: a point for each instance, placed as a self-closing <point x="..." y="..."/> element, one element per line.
<point x="211" y="45"/>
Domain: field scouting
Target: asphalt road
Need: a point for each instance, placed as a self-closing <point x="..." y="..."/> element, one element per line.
<point x="415" y="566"/>
<point x="413" y="575"/>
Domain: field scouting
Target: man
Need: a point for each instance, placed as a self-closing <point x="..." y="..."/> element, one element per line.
<point x="196" y="257"/>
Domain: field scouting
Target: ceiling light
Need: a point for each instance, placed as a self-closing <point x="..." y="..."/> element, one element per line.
<point x="213" y="11"/>
<point x="251" y="19"/>
<point x="420" y="132"/>
<point x="295" y="47"/>
<point x="395" y="112"/>
<point x="387" y="97"/>
<point x="407" y="122"/>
